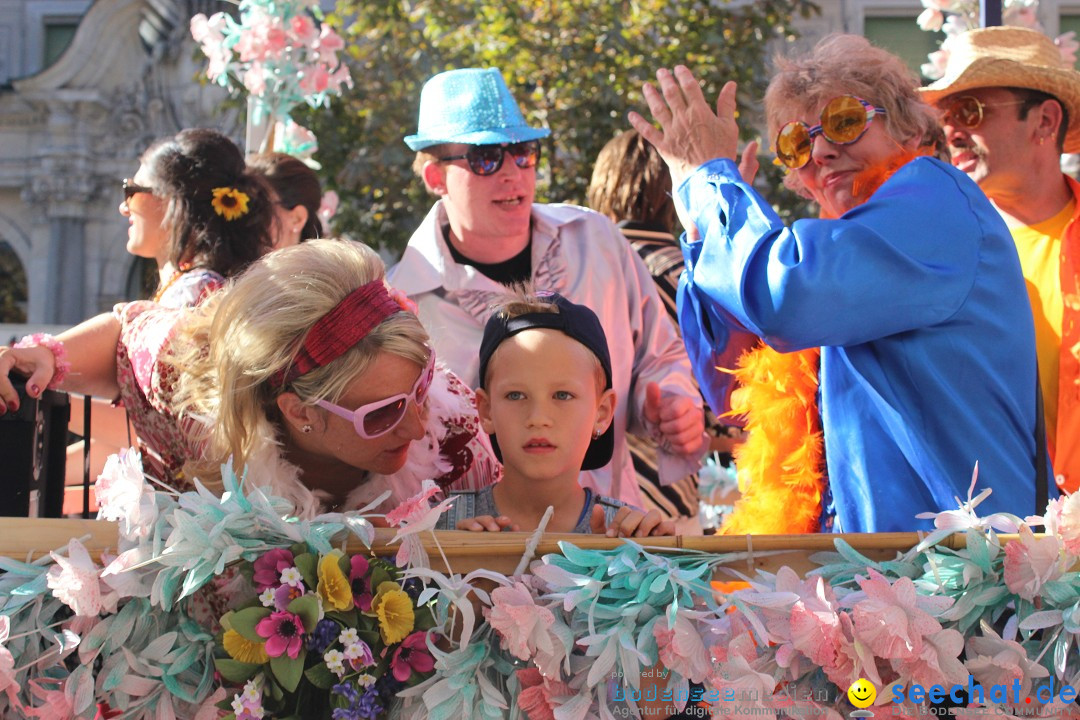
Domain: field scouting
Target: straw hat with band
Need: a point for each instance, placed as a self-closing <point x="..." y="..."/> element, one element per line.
<point x="1010" y="57"/>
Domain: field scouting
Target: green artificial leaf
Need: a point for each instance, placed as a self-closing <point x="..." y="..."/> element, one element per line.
<point x="379" y="575"/>
<point x="244" y="622"/>
<point x="235" y="671"/>
<point x="307" y="608"/>
<point x="308" y="565"/>
<point x="288" y="671"/>
<point x="320" y="676"/>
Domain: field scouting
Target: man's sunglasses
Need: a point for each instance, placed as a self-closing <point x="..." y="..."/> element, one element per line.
<point x="968" y="111"/>
<point x="487" y="159"/>
<point x="131" y="189"/>
<point x="844" y="119"/>
<point x="377" y="418"/>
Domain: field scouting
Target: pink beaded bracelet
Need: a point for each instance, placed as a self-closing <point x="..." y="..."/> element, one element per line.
<point x="54" y="346"/>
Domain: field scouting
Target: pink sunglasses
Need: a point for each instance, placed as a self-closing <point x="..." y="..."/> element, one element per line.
<point x="380" y="417"/>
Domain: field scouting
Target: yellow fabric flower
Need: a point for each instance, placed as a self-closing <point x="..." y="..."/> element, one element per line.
<point x="243" y="650"/>
<point x="334" y="587"/>
<point x="230" y="203"/>
<point x="394" y="608"/>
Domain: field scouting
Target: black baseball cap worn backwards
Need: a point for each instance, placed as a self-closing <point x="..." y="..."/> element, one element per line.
<point x="579" y="323"/>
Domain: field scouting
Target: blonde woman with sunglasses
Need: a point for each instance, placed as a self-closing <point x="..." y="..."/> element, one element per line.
<point x="305" y="371"/>
<point x="908" y="286"/>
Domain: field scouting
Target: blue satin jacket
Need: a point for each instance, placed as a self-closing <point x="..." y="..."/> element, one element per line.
<point x="917" y="301"/>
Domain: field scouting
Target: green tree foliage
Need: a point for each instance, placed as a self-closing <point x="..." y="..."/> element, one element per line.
<point x="12" y="288"/>
<point x="576" y="66"/>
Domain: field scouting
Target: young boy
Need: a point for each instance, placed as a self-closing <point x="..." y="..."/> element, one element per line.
<point x="545" y="399"/>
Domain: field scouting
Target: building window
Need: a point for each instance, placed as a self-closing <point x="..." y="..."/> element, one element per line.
<point x="58" y="36"/>
<point x="902" y="37"/>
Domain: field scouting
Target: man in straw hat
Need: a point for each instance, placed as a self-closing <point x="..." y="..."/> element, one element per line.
<point x="1008" y="99"/>
<point x="476" y="153"/>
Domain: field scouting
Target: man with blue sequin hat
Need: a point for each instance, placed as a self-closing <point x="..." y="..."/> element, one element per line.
<point x="478" y="155"/>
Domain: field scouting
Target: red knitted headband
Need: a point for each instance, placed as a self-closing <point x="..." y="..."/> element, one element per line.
<point x="337" y="331"/>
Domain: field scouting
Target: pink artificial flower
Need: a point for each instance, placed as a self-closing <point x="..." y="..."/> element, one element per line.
<point x="402" y="300"/>
<point x="361" y="583"/>
<point x="7" y="661"/>
<point x="340" y="77"/>
<point x="328" y="207"/>
<point x="284" y="633"/>
<point x="315" y="80"/>
<point x="992" y="660"/>
<point x="540" y="696"/>
<point x="1067" y="46"/>
<point x="930" y="20"/>
<point x="303" y="30"/>
<point x="124" y="495"/>
<point x="853" y="660"/>
<point x="734" y="676"/>
<point x="815" y="624"/>
<point x="681" y="648"/>
<point x="329" y="41"/>
<point x="76" y="581"/>
<point x="415" y="507"/>
<point x="888" y="621"/>
<point x="218" y="65"/>
<point x="1031" y="562"/>
<point x="255" y="79"/>
<point x="268" y="567"/>
<point x="936" y="663"/>
<point x="1062" y="518"/>
<point x="414" y="516"/>
<point x="412" y="655"/>
<point x="523" y="626"/>
<point x="49" y="704"/>
<point x="276" y="39"/>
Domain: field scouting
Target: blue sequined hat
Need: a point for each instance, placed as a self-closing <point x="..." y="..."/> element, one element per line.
<point x="472" y="106"/>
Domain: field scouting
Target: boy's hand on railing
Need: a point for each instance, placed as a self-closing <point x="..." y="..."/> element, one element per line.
<point x="37" y="363"/>
<point x="487" y="523"/>
<point x="629" y="522"/>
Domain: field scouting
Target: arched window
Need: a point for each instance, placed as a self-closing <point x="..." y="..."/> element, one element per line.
<point x="13" y="287"/>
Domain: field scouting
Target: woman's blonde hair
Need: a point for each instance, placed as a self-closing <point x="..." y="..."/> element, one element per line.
<point x="849" y="65"/>
<point x="253" y="329"/>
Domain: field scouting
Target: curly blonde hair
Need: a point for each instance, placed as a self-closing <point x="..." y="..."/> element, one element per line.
<point x="849" y="65"/>
<point x="253" y="329"/>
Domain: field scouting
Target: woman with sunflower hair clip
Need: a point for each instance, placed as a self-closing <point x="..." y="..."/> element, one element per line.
<point x="196" y="209"/>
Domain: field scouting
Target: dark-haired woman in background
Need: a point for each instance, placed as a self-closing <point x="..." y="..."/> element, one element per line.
<point x="299" y="196"/>
<point x="196" y="210"/>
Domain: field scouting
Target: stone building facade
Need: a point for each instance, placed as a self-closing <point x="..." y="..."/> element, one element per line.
<point x="71" y="131"/>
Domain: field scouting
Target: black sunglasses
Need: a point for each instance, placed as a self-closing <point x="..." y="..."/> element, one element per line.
<point x="131" y="189"/>
<point x="487" y="159"/>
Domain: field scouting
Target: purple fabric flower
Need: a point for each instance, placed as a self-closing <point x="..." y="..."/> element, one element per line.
<point x="284" y="633"/>
<point x="369" y="707"/>
<point x="268" y="568"/>
<point x="285" y="594"/>
<point x="323" y="636"/>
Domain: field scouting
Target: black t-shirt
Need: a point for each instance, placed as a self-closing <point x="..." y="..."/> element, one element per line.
<point x="517" y="269"/>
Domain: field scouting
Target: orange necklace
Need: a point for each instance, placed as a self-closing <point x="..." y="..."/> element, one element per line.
<point x="179" y="273"/>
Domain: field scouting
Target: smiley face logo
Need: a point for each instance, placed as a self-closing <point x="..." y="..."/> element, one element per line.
<point x="862" y="693"/>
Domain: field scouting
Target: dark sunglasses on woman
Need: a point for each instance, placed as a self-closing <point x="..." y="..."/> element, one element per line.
<point x="131" y="189"/>
<point x="487" y="159"/>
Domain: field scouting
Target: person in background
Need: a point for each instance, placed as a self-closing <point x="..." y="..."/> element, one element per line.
<point x="195" y="209"/>
<point x="906" y="287"/>
<point x="476" y="153"/>
<point x="298" y="196"/>
<point x="1011" y="107"/>
<point x="631" y="185"/>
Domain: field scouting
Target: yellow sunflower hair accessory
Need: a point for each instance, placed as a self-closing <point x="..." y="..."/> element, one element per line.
<point x="230" y="203"/>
